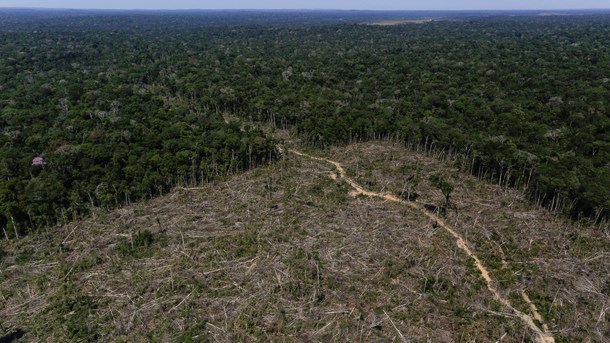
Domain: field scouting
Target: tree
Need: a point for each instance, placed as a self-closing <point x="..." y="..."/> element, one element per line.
<point x="441" y="182"/>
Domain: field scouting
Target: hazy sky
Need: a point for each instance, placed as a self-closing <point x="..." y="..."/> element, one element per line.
<point x="317" y="4"/>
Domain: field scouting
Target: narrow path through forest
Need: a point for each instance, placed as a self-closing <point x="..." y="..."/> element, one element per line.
<point x="542" y="335"/>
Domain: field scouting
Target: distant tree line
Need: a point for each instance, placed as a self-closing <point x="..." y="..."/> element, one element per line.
<point x="122" y="107"/>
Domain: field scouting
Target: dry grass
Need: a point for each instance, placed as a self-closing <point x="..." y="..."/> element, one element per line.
<point x="283" y="253"/>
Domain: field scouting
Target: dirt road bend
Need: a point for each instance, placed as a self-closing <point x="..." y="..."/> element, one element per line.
<point x="541" y="334"/>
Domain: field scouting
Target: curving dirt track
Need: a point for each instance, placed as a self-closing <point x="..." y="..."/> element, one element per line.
<point x="541" y="334"/>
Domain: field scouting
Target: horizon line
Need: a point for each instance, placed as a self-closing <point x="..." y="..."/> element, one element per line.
<point x="306" y="9"/>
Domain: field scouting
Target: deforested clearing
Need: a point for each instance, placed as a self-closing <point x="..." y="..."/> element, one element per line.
<point x="283" y="252"/>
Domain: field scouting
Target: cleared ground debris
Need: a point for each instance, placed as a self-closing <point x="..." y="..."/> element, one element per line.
<point x="284" y="253"/>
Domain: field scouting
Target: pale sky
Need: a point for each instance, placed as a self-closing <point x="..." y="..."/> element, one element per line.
<point x="313" y="4"/>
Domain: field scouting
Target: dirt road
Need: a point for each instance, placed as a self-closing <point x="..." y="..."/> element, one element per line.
<point x="541" y="334"/>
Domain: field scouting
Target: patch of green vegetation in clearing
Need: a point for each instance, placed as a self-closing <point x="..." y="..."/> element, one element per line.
<point x="70" y="316"/>
<point x="143" y="244"/>
<point x="25" y="256"/>
<point x="242" y="245"/>
<point x="327" y="190"/>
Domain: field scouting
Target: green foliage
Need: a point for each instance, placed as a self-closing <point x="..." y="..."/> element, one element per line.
<point x="441" y="182"/>
<point x="107" y="136"/>
<point x="25" y="256"/>
<point x="72" y="315"/>
<point x="142" y="244"/>
<point x="197" y="333"/>
<point x="242" y="245"/>
<point x="438" y="285"/>
<point x="123" y="110"/>
<point x="308" y="271"/>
